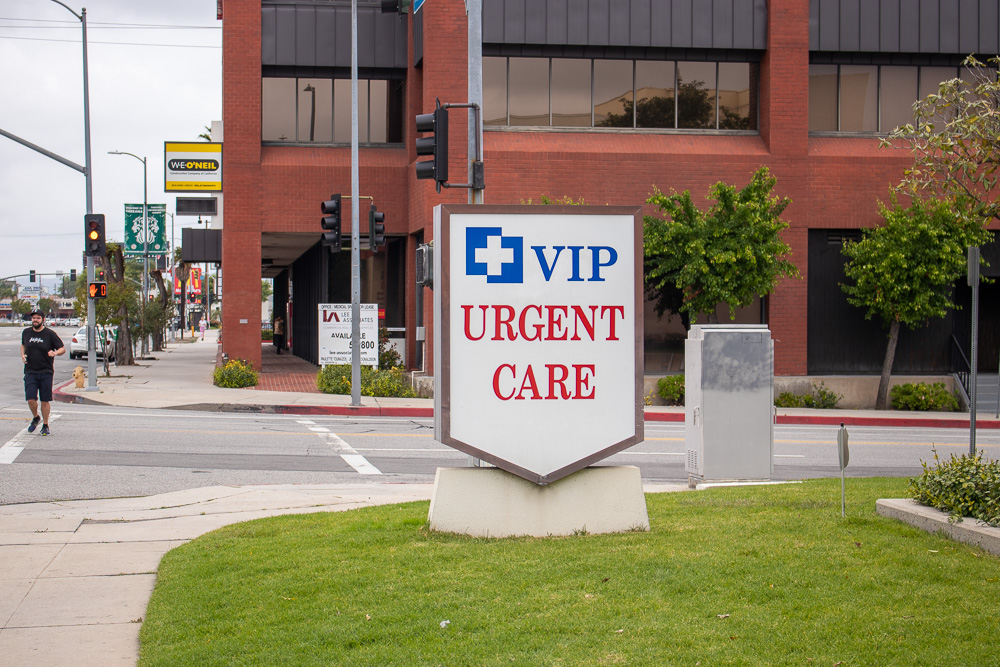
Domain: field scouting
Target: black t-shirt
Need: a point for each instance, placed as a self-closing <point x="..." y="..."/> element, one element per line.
<point x="36" y="349"/>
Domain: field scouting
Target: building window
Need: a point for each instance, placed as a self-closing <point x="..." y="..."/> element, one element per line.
<point x="311" y="110"/>
<point x="869" y="98"/>
<point x="580" y="92"/>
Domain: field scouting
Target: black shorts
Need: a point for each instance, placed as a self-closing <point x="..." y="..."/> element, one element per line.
<point x="38" y="386"/>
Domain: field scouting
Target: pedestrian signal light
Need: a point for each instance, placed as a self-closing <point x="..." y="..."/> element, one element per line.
<point x="97" y="290"/>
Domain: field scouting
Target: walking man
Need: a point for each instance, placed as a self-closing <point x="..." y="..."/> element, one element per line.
<point x="39" y="348"/>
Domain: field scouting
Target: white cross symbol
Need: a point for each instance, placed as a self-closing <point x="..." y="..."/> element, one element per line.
<point x="494" y="255"/>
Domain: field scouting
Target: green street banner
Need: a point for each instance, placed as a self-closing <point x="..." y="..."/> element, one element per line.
<point x="156" y="229"/>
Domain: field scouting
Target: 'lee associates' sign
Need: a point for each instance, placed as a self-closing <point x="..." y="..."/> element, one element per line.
<point x="539" y="353"/>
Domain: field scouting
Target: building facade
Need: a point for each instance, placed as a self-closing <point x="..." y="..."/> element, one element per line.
<point x="599" y="100"/>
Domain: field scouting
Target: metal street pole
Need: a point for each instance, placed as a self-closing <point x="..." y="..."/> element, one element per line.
<point x="355" y="220"/>
<point x="474" y="9"/>
<point x="145" y="250"/>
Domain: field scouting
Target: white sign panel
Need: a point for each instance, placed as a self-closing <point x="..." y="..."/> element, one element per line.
<point x="335" y="334"/>
<point x="539" y="354"/>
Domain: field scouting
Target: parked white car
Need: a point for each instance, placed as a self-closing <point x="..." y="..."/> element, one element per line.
<point x="78" y="344"/>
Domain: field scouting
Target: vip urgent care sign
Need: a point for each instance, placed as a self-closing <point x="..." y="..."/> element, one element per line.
<point x="539" y="343"/>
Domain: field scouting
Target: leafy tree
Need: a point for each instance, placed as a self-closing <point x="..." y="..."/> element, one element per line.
<point x="20" y="308"/>
<point x="265" y="290"/>
<point x="67" y="288"/>
<point x="955" y="141"/>
<point x="904" y="271"/>
<point x="121" y="302"/>
<point x="47" y="305"/>
<point x="7" y="289"/>
<point x="730" y="254"/>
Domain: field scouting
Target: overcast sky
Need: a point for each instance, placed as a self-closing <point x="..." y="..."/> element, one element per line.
<point x="147" y="85"/>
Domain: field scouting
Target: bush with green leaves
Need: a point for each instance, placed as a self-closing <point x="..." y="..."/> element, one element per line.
<point x="266" y="334"/>
<point x="236" y="374"/>
<point x="923" y="396"/>
<point x="963" y="486"/>
<point x="388" y="357"/>
<point x="821" y="398"/>
<point x="381" y="383"/>
<point x="671" y="389"/>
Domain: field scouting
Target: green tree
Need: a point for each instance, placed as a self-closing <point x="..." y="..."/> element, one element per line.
<point x="729" y="254"/>
<point x="904" y="271"/>
<point x="47" y="305"/>
<point x="20" y="308"/>
<point x="955" y="141"/>
<point x="265" y="290"/>
<point x="67" y="288"/>
<point x="7" y="289"/>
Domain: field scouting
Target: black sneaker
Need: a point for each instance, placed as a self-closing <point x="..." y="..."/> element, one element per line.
<point x="34" y="424"/>
<point x="45" y="429"/>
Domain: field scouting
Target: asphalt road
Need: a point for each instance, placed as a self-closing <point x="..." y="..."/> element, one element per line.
<point x="103" y="452"/>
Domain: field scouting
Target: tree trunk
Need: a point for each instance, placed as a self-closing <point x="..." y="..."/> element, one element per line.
<point x="158" y="335"/>
<point x="123" y="350"/>
<point x="890" y="355"/>
<point x="713" y="317"/>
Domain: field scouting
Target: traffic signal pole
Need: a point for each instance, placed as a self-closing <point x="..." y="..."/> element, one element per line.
<point x="355" y="220"/>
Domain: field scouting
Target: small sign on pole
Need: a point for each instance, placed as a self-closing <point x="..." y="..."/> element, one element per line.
<point x="844" y="456"/>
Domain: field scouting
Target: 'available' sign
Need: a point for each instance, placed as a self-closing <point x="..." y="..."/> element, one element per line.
<point x="539" y="353"/>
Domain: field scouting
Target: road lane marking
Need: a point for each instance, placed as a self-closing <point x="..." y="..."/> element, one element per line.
<point x="350" y="455"/>
<point x="13" y="447"/>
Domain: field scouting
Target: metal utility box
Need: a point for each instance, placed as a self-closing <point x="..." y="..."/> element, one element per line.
<point x="729" y="402"/>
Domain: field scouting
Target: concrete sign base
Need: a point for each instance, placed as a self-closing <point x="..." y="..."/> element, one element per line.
<point x="490" y="502"/>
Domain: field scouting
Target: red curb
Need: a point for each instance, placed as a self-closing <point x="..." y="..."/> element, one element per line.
<point x="663" y="417"/>
<point x="911" y="422"/>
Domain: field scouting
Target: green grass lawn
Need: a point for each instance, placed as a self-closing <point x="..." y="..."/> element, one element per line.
<point x="766" y="575"/>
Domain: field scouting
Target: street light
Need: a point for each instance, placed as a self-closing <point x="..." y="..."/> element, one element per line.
<point x="145" y="249"/>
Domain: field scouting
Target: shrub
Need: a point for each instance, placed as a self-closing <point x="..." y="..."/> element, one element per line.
<point x="922" y="396"/>
<point x="821" y="398"/>
<point x="381" y="383"/>
<point x="963" y="486"/>
<point x="235" y="374"/>
<point x="388" y="357"/>
<point x="266" y="334"/>
<point x="671" y="389"/>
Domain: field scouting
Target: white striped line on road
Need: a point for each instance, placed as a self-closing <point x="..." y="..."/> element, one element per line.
<point x="13" y="447"/>
<point x="346" y="452"/>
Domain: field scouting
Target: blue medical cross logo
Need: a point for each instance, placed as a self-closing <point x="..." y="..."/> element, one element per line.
<point x="489" y="253"/>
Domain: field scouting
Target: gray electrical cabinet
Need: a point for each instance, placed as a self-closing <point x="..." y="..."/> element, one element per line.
<point x="729" y="402"/>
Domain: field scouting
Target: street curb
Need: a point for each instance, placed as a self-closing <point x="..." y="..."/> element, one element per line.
<point x="649" y="416"/>
<point x="932" y="520"/>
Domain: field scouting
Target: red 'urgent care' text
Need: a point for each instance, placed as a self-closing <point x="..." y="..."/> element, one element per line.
<point x="543" y="323"/>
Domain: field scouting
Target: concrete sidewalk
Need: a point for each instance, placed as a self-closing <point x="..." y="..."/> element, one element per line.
<point x="180" y="377"/>
<point x="75" y="577"/>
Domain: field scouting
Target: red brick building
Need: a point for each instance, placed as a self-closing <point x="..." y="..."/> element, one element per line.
<point x="722" y="88"/>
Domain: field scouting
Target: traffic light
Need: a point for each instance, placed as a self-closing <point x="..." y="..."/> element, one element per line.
<point x="376" y="228"/>
<point x="331" y="223"/>
<point x="100" y="273"/>
<point x="95" y="245"/>
<point x="72" y="275"/>
<point x="435" y="145"/>
<point x="31" y="276"/>
<point x="97" y="290"/>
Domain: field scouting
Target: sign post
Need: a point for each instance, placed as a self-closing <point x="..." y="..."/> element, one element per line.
<point x="539" y="348"/>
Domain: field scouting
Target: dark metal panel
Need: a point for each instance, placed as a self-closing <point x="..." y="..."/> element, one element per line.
<point x="968" y="26"/>
<point x="342" y="38"/>
<point x="829" y="25"/>
<point x="641" y="27"/>
<point x="366" y="40"/>
<point x="930" y="26"/>
<point x="681" y="16"/>
<point x="305" y="35"/>
<point x="949" y="27"/>
<point x="850" y="25"/>
<point x="535" y="23"/>
<point x="493" y="11"/>
<point x="268" y="36"/>
<point x="889" y="26"/>
<point x="513" y="21"/>
<point x="814" y="25"/>
<point x="989" y="27"/>
<point x="909" y="26"/>
<point x="577" y="22"/>
<point x="661" y="23"/>
<point x="701" y="25"/>
<point x="598" y="22"/>
<point x="760" y="24"/>
<point x="744" y="29"/>
<point x="869" y="37"/>
<point x="385" y="38"/>
<point x="557" y="22"/>
<point x="285" y="48"/>
<point x="722" y="24"/>
<point x="619" y="22"/>
<point x="326" y="28"/>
